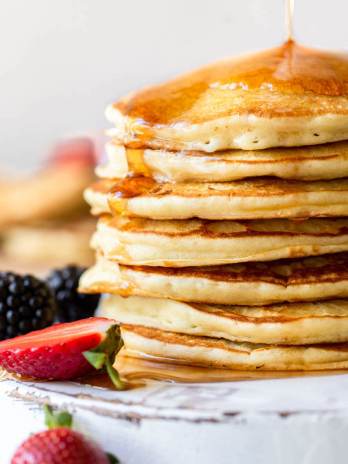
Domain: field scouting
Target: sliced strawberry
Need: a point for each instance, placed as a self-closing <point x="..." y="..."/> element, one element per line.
<point x="64" y="351"/>
<point x="75" y="150"/>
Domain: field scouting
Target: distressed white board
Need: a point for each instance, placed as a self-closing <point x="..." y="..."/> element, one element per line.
<point x="285" y="421"/>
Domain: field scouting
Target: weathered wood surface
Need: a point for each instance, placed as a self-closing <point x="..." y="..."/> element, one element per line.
<point x="294" y="420"/>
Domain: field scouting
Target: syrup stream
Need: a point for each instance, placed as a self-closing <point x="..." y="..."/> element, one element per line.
<point x="289" y="19"/>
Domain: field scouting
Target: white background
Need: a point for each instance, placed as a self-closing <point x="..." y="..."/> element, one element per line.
<point x="62" y="61"/>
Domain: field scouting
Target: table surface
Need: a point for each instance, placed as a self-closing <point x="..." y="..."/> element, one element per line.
<point x="207" y="419"/>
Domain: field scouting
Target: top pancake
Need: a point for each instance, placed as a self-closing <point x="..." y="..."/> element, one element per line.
<point x="285" y="96"/>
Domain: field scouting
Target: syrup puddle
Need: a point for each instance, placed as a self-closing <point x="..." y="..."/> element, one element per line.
<point x="138" y="373"/>
<point x="141" y="372"/>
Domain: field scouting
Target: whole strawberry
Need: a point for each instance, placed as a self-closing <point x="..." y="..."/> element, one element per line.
<point x="60" y="445"/>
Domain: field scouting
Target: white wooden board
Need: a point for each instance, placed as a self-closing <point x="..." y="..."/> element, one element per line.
<point x="285" y="421"/>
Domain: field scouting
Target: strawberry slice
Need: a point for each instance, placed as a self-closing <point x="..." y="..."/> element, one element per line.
<point x="75" y="150"/>
<point x="64" y="351"/>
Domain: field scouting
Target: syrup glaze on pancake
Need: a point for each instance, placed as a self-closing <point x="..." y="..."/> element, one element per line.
<point x="328" y="161"/>
<point x="170" y="243"/>
<point x="160" y="345"/>
<point x="245" y="199"/>
<point x="283" y="83"/>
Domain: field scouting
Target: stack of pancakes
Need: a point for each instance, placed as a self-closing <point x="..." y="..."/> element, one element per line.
<point x="223" y="231"/>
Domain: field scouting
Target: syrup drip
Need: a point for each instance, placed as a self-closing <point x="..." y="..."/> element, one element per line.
<point x="133" y="186"/>
<point x="130" y="187"/>
<point x="136" y="163"/>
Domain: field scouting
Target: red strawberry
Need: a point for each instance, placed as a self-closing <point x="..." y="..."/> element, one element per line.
<point x="64" y="351"/>
<point x="60" y="445"/>
<point x="75" y="150"/>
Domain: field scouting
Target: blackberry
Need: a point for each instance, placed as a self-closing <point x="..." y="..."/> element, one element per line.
<point x="71" y="305"/>
<point x="26" y="304"/>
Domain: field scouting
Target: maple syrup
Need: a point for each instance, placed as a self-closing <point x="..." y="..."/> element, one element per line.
<point x="136" y="163"/>
<point x="138" y="372"/>
<point x="133" y="186"/>
<point x="207" y="93"/>
<point x="130" y="187"/>
<point x="289" y="18"/>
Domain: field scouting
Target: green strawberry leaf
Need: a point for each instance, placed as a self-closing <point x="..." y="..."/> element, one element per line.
<point x="112" y="459"/>
<point x="96" y="359"/>
<point x="59" y="419"/>
<point x="103" y="356"/>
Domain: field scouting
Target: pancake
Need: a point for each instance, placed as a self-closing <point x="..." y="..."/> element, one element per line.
<point x="304" y="279"/>
<point x="54" y="243"/>
<point x="144" y="342"/>
<point x="203" y="243"/>
<point x="283" y="324"/>
<point x="257" y="198"/>
<point x="317" y="162"/>
<point x="285" y="96"/>
<point x="54" y="193"/>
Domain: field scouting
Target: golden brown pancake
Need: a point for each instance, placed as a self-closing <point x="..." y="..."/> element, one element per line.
<point x="203" y="351"/>
<point x="328" y="161"/>
<point x="285" y="96"/>
<point x="282" y="324"/>
<point x="54" y="193"/>
<point x="305" y="279"/>
<point x="258" y="198"/>
<point x="202" y="243"/>
<point x="53" y="244"/>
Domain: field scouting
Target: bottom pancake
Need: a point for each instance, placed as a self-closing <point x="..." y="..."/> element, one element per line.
<point x="284" y="324"/>
<point x="148" y="343"/>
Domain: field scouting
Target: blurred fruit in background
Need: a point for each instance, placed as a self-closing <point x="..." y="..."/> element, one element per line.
<point x="44" y="221"/>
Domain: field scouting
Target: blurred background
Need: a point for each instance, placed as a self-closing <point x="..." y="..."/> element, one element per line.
<point x="63" y="61"/>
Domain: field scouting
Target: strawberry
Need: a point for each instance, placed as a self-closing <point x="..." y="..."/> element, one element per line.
<point x="75" y="150"/>
<point x="60" y="445"/>
<point x="64" y="351"/>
